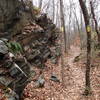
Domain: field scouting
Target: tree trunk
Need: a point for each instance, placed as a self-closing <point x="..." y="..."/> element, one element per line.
<point x="88" y="30"/>
<point x="78" y="26"/>
<point x="40" y="3"/>
<point x="96" y="24"/>
<point x="53" y="2"/>
<point x="63" y="24"/>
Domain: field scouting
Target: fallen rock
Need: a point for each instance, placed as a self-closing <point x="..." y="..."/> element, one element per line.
<point x="54" y="78"/>
<point x="40" y="82"/>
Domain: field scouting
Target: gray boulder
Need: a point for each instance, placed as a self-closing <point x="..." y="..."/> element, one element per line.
<point x="3" y="47"/>
<point x="40" y="82"/>
<point x="54" y="78"/>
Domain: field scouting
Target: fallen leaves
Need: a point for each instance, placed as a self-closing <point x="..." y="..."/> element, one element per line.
<point x="74" y="79"/>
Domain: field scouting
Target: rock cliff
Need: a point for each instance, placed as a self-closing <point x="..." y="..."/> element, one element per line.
<point x="20" y="21"/>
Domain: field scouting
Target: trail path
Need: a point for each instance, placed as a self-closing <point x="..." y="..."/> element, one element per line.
<point x="74" y="79"/>
<point x="74" y="75"/>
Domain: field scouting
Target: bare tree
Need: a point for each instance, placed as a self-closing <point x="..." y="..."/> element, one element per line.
<point x="63" y="24"/>
<point x="53" y="2"/>
<point x="69" y="26"/>
<point x="78" y="26"/>
<point x="57" y="14"/>
<point x="96" y="24"/>
<point x="40" y="3"/>
<point x="88" y="30"/>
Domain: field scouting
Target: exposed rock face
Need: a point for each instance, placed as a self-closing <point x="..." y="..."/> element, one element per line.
<point x="8" y="11"/>
<point x="13" y="17"/>
<point x="37" y="37"/>
<point x="11" y="75"/>
<point x="36" y="33"/>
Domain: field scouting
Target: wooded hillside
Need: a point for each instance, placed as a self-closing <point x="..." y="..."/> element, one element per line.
<point x="49" y="50"/>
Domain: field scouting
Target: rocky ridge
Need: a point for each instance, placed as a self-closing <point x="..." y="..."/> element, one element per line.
<point x="38" y="37"/>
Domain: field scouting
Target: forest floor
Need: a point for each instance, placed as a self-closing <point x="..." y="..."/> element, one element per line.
<point x="74" y="80"/>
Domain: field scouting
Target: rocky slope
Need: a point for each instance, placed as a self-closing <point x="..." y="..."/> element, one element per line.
<point x="23" y="23"/>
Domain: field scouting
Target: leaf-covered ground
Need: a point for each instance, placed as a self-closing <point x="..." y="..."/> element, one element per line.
<point x="74" y="80"/>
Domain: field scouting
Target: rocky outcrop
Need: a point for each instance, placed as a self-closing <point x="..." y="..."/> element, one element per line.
<point x="13" y="75"/>
<point x="37" y="35"/>
<point x="8" y="14"/>
<point x="13" y="16"/>
<point x="37" y="38"/>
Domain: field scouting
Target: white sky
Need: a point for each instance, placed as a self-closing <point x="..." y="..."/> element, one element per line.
<point x="67" y="6"/>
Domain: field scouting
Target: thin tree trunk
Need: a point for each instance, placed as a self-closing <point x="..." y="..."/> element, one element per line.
<point x="40" y="3"/>
<point x="69" y="28"/>
<point x="94" y="18"/>
<point x="63" y="24"/>
<point x="53" y="10"/>
<point x="88" y="30"/>
<point x="57" y="15"/>
<point x="78" y="26"/>
<point x="62" y="62"/>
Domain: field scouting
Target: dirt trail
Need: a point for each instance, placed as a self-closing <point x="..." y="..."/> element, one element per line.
<point x="74" y="78"/>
